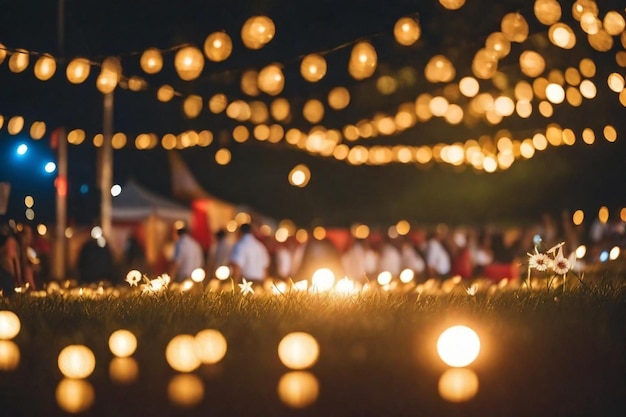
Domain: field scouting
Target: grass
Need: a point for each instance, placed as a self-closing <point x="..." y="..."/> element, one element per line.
<point x="560" y="353"/>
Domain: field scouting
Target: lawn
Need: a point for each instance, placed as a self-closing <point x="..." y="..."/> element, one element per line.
<point x="543" y="353"/>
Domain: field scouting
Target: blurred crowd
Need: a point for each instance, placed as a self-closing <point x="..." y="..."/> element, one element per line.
<point x="442" y="251"/>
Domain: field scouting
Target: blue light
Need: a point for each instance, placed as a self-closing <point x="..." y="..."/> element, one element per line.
<point x="22" y="149"/>
<point x="84" y="189"/>
<point x="536" y="240"/>
<point x="604" y="256"/>
<point x="50" y="167"/>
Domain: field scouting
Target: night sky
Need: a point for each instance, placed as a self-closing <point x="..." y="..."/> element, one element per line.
<point x="560" y="178"/>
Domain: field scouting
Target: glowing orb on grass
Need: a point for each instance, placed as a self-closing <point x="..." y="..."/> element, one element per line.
<point x="9" y="355"/>
<point x="211" y="346"/>
<point x="298" y="389"/>
<point x="122" y="343"/>
<point x="75" y="395"/>
<point x="298" y="350"/>
<point x="458" y="346"/>
<point x="384" y="278"/>
<point x="198" y="275"/>
<point x="9" y="325"/>
<point x="458" y="385"/>
<point x="123" y="370"/>
<point x="185" y="390"/>
<point x="407" y="275"/>
<point x="222" y="272"/>
<point x="323" y="280"/>
<point x="181" y="354"/>
<point x="76" y="361"/>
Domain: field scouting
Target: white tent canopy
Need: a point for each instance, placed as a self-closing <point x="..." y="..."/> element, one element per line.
<point x="136" y="203"/>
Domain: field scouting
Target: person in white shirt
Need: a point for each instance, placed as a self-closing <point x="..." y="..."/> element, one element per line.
<point x="188" y="255"/>
<point x="437" y="258"/>
<point x="353" y="261"/>
<point x="390" y="258"/>
<point x="250" y="258"/>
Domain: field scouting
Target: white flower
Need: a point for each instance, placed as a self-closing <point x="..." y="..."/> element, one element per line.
<point x="553" y="249"/>
<point x="246" y="287"/>
<point x="561" y="264"/>
<point x="539" y="261"/>
<point x="472" y="290"/>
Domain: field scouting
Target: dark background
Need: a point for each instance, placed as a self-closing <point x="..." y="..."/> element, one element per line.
<point x="562" y="178"/>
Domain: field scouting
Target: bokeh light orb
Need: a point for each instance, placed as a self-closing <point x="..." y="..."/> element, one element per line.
<point x="185" y="390"/>
<point x="19" y="60"/>
<point x="452" y="4"/>
<point x="74" y="395"/>
<point x="76" y="361"/>
<point x="211" y="346"/>
<point x="122" y="343"/>
<point x="218" y="46"/>
<point x="298" y="389"/>
<point x="9" y="325"/>
<point x="298" y="350"/>
<point x="222" y="272"/>
<point x="123" y="370"/>
<point x="271" y="79"/>
<point x="45" y="67"/>
<point x="151" y="61"/>
<point x="458" y="346"/>
<point x="257" y="31"/>
<point x="180" y="353"/>
<point x="9" y="355"/>
<point x="323" y="280"/>
<point x="384" y="278"/>
<point x="407" y="31"/>
<point x="198" y="275"/>
<point x="189" y="63"/>
<point x="313" y="67"/>
<point x="458" y="385"/>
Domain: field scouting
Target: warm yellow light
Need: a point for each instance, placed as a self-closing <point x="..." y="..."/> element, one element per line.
<point x="555" y="93"/>
<point x="384" y="278"/>
<point x="319" y="233"/>
<point x="588" y="89"/>
<point x="9" y="355"/>
<point x="469" y="86"/>
<point x="218" y="103"/>
<point x="9" y="325"/>
<point x="407" y="275"/>
<point x="581" y="251"/>
<point x="484" y="64"/>
<point x="300" y="175"/>
<point x="122" y="343"/>
<point x="45" y="67"/>
<point x="322" y="280"/>
<point x="614" y="23"/>
<point x="504" y="106"/>
<point x="76" y="361"/>
<point x="15" y="125"/>
<point x="578" y="217"/>
<point x="498" y="44"/>
<point x="439" y="69"/>
<point x="313" y="111"/>
<point x="271" y="80"/>
<point x="280" y="109"/>
<point x="407" y="31"/>
<point x="610" y="134"/>
<point x="19" y="60"/>
<point x="192" y="106"/>
<point x="186" y="390"/>
<point x="363" y="61"/>
<point x="547" y="12"/>
<point x="298" y="350"/>
<point x="222" y="156"/>
<point x="74" y="395"/>
<point x="458" y="346"/>
<point x="180" y="353"/>
<point x="189" y="63"/>
<point x="222" y="272"/>
<point x="532" y="64"/>
<point x="123" y="370"/>
<point x="313" y="67"/>
<point x="257" y="31"/>
<point x="458" y="385"/>
<point x="616" y="82"/>
<point x="218" y="46"/>
<point x="339" y="98"/>
<point x="589" y="137"/>
<point x="614" y="253"/>
<point x="452" y="4"/>
<point x="514" y="27"/>
<point x="198" y="275"/>
<point x="151" y="61"/>
<point x="298" y="389"/>
<point x="603" y="215"/>
<point x="211" y="346"/>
